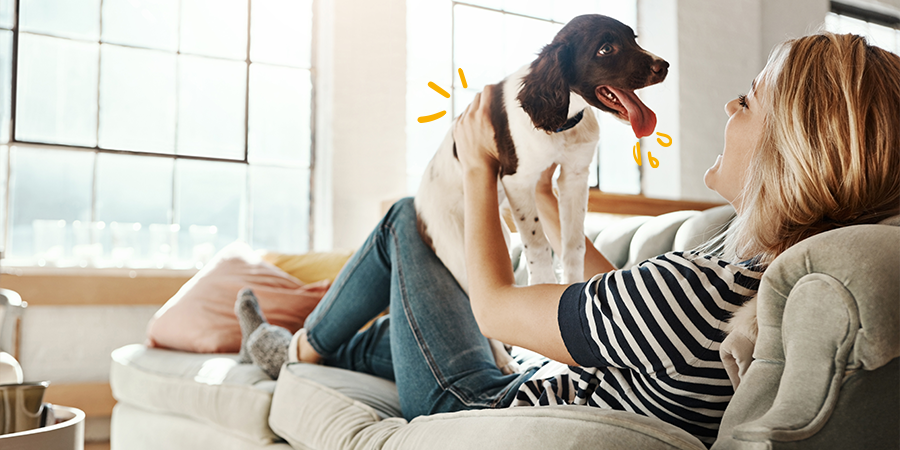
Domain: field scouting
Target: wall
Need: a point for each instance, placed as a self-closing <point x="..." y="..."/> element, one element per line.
<point x="716" y="49"/>
<point x="360" y="117"/>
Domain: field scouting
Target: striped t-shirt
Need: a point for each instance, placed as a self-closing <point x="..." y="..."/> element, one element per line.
<point x="647" y="341"/>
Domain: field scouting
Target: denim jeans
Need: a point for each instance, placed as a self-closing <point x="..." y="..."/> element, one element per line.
<point x="430" y="344"/>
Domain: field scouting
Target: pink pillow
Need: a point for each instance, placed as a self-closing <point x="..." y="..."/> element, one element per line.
<point x="200" y="317"/>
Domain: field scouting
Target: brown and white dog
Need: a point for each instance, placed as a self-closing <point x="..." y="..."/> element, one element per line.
<point x="541" y="116"/>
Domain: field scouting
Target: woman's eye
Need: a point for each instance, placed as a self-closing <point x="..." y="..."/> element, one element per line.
<point x="605" y="50"/>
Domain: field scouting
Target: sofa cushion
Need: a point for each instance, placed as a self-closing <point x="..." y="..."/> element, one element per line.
<point x="324" y="407"/>
<point x="210" y="388"/>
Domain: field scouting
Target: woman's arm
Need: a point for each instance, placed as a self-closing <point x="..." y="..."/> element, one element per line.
<point x="548" y="210"/>
<point x="523" y="316"/>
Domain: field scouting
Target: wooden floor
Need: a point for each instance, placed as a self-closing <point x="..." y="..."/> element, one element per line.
<point x="96" y="446"/>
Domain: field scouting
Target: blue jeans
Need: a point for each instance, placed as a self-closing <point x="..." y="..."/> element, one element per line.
<point x="430" y="344"/>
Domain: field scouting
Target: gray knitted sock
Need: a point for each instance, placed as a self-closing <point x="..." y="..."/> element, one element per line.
<point x="250" y="316"/>
<point x="268" y="348"/>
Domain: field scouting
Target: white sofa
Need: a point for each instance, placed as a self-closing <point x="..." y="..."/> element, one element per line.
<point x="826" y="380"/>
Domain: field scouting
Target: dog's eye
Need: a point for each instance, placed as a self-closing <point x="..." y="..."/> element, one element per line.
<point x="605" y="50"/>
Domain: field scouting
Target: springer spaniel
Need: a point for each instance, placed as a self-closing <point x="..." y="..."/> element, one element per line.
<point x="541" y="115"/>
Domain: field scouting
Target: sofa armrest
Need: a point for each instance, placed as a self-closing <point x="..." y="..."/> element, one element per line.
<point x="827" y="313"/>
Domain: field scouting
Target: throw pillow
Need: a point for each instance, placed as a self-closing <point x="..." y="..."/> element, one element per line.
<point x="311" y="267"/>
<point x="200" y="317"/>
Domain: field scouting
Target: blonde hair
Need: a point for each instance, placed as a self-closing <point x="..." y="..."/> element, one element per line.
<point x="829" y="155"/>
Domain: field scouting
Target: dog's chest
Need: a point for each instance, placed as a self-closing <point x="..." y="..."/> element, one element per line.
<point x="537" y="149"/>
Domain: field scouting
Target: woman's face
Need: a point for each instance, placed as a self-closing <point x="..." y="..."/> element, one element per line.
<point x="746" y="119"/>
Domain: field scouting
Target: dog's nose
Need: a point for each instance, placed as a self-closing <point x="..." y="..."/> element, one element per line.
<point x="659" y="66"/>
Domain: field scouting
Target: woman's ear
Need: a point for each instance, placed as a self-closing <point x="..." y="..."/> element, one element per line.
<point x="545" y="91"/>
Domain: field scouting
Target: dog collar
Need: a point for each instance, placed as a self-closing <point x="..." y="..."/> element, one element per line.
<point x="571" y="122"/>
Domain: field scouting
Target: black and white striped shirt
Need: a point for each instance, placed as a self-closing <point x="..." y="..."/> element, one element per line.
<point x="647" y="339"/>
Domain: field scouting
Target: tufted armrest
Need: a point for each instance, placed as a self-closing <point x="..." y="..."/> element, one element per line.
<point x="825" y="364"/>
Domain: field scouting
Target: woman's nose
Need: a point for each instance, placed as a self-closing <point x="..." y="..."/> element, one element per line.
<point x="731" y="107"/>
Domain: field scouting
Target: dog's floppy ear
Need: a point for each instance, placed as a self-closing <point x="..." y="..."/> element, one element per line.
<point x="545" y="91"/>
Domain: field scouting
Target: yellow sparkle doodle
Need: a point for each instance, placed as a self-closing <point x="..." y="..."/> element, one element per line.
<point x="440" y="90"/>
<point x="669" y="138"/>
<point x="654" y="163"/>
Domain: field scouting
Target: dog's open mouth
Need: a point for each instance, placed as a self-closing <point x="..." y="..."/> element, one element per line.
<point x="629" y="107"/>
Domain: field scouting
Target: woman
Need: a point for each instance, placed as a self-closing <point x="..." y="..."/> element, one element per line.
<point x="813" y="146"/>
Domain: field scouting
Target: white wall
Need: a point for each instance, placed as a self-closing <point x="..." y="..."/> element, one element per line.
<point x="716" y="49"/>
<point x="360" y="117"/>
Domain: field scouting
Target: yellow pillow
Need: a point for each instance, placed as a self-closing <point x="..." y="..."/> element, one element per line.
<point x="310" y="267"/>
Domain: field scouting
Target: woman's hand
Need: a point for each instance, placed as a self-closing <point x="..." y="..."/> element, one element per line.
<point x="474" y="134"/>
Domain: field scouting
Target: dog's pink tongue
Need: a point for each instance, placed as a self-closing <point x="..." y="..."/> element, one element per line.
<point x="643" y="120"/>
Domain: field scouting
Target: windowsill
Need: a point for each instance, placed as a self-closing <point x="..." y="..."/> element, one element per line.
<point x="123" y="272"/>
<point x="77" y="286"/>
<point x="639" y="205"/>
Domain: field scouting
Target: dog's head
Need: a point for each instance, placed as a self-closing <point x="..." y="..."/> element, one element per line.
<point x="596" y="57"/>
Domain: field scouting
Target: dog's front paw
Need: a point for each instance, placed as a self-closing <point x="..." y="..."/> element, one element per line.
<point x="744" y="321"/>
<point x="736" y="350"/>
<point x="511" y="367"/>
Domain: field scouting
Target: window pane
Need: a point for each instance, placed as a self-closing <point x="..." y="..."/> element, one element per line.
<point x="65" y="18"/>
<point x="279" y="114"/>
<point x="49" y="185"/>
<point x="279" y="199"/>
<point x="476" y="52"/>
<point x="210" y="206"/>
<point x="883" y="37"/>
<point x="523" y="39"/>
<point x="7" y="13"/>
<point x="5" y="83"/>
<point x="133" y="188"/>
<point x="137" y="99"/>
<point x="534" y="8"/>
<point x="4" y="172"/>
<point x="57" y="91"/>
<point x="495" y="4"/>
<point x="141" y="23"/>
<point x="433" y="30"/>
<point x="564" y="11"/>
<point x="517" y="39"/>
<point x="214" y="28"/>
<point x="211" y="107"/>
<point x="623" y="11"/>
<point x="134" y="192"/>
<point x="281" y="32"/>
<point x="832" y="22"/>
<point x="619" y="172"/>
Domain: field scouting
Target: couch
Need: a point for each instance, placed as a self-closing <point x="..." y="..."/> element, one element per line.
<point x="825" y="373"/>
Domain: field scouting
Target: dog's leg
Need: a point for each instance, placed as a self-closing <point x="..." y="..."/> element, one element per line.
<point x="503" y="359"/>
<point x="520" y="193"/>
<point x="573" y="195"/>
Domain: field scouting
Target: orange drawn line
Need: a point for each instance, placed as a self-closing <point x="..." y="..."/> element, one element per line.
<point x="462" y="77"/>
<point x="438" y="89"/>
<point x="669" y="138"/>
<point x="434" y="116"/>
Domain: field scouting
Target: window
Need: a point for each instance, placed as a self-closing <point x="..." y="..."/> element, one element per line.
<point x="880" y="29"/>
<point x="151" y="133"/>
<point x="490" y="39"/>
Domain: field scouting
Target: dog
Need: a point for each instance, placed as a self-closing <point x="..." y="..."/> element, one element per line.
<point x="541" y="116"/>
